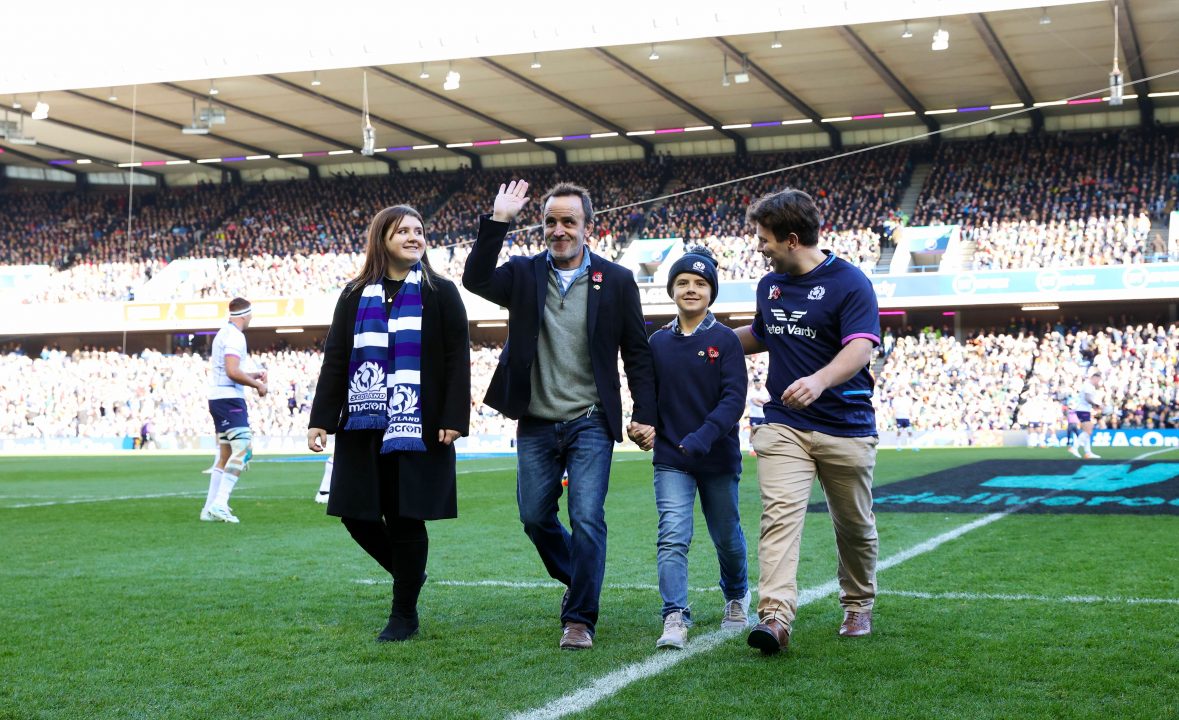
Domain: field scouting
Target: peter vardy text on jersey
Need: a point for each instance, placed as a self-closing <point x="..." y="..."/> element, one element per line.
<point x="792" y="330"/>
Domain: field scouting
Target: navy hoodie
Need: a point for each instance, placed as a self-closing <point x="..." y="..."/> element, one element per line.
<point x="700" y="386"/>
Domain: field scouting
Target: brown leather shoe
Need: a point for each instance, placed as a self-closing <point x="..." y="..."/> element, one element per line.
<point x="770" y="636"/>
<point x="576" y="636"/>
<point x="856" y="624"/>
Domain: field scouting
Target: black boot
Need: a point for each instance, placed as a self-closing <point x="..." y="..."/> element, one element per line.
<point x="410" y="564"/>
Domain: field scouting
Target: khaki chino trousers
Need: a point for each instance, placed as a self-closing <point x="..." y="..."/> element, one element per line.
<point x="788" y="461"/>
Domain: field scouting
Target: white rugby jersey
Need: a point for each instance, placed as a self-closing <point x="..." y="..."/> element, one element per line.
<point x="228" y="341"/>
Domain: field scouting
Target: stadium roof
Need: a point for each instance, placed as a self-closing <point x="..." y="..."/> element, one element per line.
<point x="840" y="66"/>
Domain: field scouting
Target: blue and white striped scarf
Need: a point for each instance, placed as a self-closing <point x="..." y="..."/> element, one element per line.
<point x="384" y="392"/>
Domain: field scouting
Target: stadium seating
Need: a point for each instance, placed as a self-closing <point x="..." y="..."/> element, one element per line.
<point x="1023" y="201"/>
<point x="979" y="384"/>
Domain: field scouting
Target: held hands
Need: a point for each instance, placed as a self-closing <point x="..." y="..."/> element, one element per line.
<point x="512" y="197"/>
<point x="447" y="437"/>
<point x="802" y="392"/>
<point x="641" y="435"/>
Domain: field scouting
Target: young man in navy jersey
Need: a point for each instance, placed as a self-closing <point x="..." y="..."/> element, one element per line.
<point x="818" y="318"/>
<point x="700" y="384"/>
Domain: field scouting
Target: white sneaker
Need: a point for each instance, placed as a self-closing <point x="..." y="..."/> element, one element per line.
<point x="1074" y="452"/>
<point x="321" y="498"/>
<point x="675" y="632"/>
<point x="222" y="513"/>
<point x="736" y="613"/>
<point x="1092" y="456"/>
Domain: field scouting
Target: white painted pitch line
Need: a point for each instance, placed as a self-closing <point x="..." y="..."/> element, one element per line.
<point x="530" y="584"/>
<point x="79" y="501"/>
<point x="611" y="683"/>
<point x="1143" y="456"/>
<point x="1076" y="599"/>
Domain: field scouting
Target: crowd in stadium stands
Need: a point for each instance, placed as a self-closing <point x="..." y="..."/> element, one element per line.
<point x="1139" y="365"/>
<point x="329" y="216"/>
<point x="45" y="228"/>
<point x="1007" y="244"/>
<point x="1040" y="200"/>
<point x="609" y="184"/>
<point x="971" y="385"/>
<point x="1034" y="200"/>
<point x="857" y="199"/>
<point x="988" y="382"/>
<point x="1046" y="177"/>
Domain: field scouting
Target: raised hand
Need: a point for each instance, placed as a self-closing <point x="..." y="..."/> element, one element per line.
<point x="510" y="200"/>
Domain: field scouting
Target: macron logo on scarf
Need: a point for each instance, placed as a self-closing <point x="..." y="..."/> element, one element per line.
<point x="385" y="368"/>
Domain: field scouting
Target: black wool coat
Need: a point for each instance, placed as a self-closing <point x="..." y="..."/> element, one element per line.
<point x="426" y="480"/>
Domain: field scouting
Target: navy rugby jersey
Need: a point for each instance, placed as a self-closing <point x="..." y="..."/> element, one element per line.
<point x="805" y="321"/>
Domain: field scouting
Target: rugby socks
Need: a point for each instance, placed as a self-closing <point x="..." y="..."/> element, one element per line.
<point x="226" y="487"/>
<point x="325" y="485"/>
<point x="214" y="487"/>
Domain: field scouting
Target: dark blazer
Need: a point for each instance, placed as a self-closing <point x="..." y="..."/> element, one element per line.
<point x="615" y="322"/>
<point x="426" y="481"/>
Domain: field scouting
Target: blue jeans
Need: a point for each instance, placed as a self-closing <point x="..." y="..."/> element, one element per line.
<point x="675" y="498"/>
<point x="544" y="450"/>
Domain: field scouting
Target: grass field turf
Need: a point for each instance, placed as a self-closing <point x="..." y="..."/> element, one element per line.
<point x="131" y="608"/>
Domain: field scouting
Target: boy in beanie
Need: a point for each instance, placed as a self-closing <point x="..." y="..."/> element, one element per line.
<point x="700" y="385"/>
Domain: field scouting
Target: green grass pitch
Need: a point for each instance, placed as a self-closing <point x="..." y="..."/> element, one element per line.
<point x="116" y="602"/>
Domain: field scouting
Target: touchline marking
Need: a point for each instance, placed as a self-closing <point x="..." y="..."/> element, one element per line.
<point x="1143" y="456"/>
<point x="79" y="501"/>
<point x="611" y="683"/>
<point x="1078" y="599"/>
<point x="548" y="585"/>
<point x="530" y="584"/>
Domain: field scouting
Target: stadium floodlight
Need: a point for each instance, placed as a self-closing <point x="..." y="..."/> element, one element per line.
<point x="200" y="121"/>
<point x="212" y="115"/>
<point x="14" y="133"/>
<point x="41" y="110"/>
<point x="452" y="80"/>
<point x="742" y="77"/>
<point x="941" y="38"/>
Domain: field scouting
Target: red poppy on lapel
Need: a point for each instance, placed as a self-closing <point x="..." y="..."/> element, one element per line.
<point x="713" y="354"/>
<point x="597" y="277"/>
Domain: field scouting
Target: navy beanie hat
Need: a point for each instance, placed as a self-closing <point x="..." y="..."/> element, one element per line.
<point x="699" y="261"/>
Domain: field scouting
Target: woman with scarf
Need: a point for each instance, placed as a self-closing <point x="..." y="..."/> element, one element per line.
<point x="395" y="389"/>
